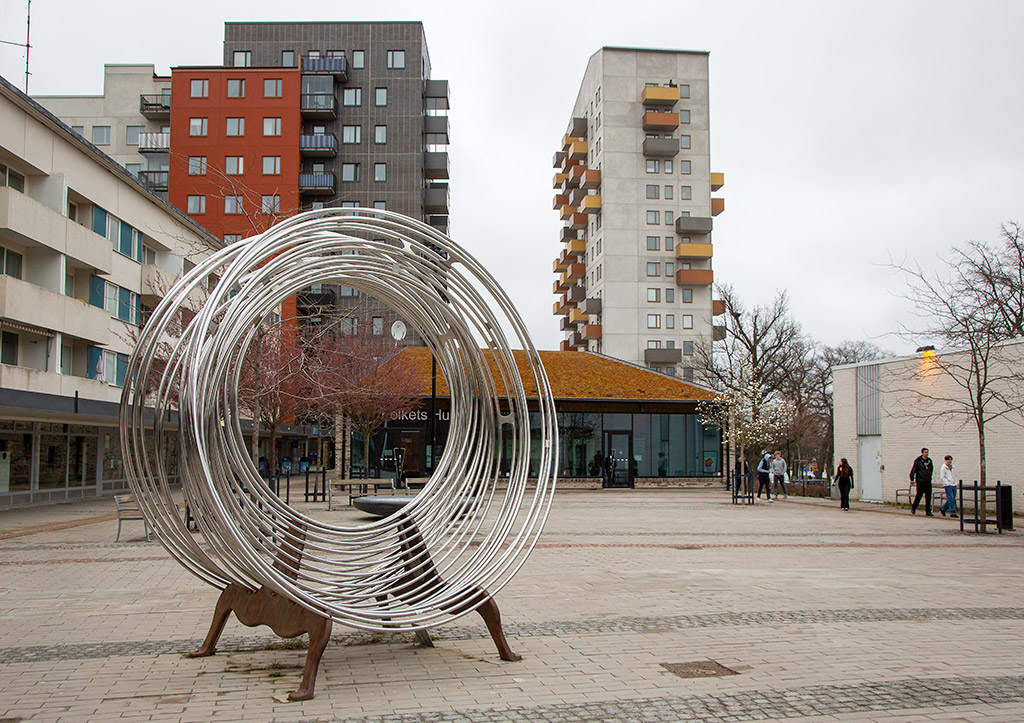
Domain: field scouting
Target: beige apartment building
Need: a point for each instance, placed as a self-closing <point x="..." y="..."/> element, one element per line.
<point x="633" y="186"/>
<point x="84" y="251"/>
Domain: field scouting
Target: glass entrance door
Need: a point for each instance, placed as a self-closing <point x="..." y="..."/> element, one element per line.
<point x="618" y="468"/>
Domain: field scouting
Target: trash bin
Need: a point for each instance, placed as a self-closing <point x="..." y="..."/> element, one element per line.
<point x="1004" y="507"/>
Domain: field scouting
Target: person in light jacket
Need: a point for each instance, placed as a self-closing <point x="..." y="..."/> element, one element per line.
<point x="947" y="475"/>
<point x="844" y="481"/>
<point x="779" y="474"/>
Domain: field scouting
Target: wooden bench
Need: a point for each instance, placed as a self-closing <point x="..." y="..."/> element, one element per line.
<point x="128" y="509"/>
<point x="357" y="488"/>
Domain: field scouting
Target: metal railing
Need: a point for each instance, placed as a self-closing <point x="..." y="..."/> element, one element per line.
<point x="154" y="142"/>
<point x="318" y="142"/>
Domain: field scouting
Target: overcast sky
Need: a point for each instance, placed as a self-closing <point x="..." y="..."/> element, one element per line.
<point x="849" y="133"/>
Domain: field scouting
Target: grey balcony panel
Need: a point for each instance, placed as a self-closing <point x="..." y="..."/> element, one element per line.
<point x="318" y="144"/>
<point x="566" y="325"/>
<point x="578" y="128"/>
<point x="335" y="66"/>
<point x="558" y="159"/>
<point x="575" y="294"/>
<point x="436" y="89"/>
<point x="591" y="306"/>
<point x="155" y="107"/>
<point x="663" y="356"/>
<point x="435" y="200"/>
<point x="438" y="222"/>
<point x="718" y="332"/>
<point x="575" y="339"/>
<point x="694" y="224"/>
<point x="319" y="105"/>
<point x="577" y="195"/>
<point x="316" y="183"/>
<point x="435" y="124"/>
<point x="435" y="165"/>
<point x="661" y="147"/>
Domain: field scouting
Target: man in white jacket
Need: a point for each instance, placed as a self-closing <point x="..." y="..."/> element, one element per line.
<point x="779" y="473"/>
<point x="947" y="475"/>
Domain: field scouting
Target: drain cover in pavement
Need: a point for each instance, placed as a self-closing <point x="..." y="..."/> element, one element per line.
<point x="698" y="669"/>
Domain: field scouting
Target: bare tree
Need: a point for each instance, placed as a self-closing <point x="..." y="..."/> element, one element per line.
<point x="996" y="277"/>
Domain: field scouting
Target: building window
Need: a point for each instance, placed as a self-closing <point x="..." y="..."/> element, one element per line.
<point x="670" y="321"/>
<point x="380" y="172"/>
<point x="653" y="268"/>
<point x="197" y="126"/>
<point x="271" y="165"/>
<point x="396" y="59"/>
<point x="234" y="165"/>
<point x="358" y="59"/>
<point x="271" y="126"/>
<point x="335" y="53"/>
<point x="378" y="325"/>
<point x="669" y="268"/>
<point x="197" y="165"/>
<point x="236" y="87"/>
<point x="351" y="134"/>
<point x="197" y="204"/>
<point x="668" y="166"/>
<point x="687" y="348"/>
<point x="101" y="135"/>
<point x="653" y="295"/>
<point x="668" y="218"/>
<point x="684" y="116"/>
<point x="199" y="88"/>
<point x="380" y="134"/>
<point x="684" y="91"/>
<point x="10" y="263"/>
<point x="653" y="217"/>
<point x="684" y="141"/>
<point x="350" y="172"/>
<point x="652" y="191"/>
<point x="270" y="204"/>
<point x="687" y="374"/>
<point x="653" y="344"/>
<point x="9" y="348"/>
<point x="687" y="321"/>
<point x="236" y="127"/>
<point x="670" y="295"/>
<point x="652" y="166"/>
<point x="654" y="321"/>
<point x="381" y="205"/>
<point x="684" y="167"/>
<point x="668" y="192"/>
<point x="80" y="130"/>
<point x="288" y="58"/>
<point x="131" y="135"/>
<point x="687" y="296"/>
<point x="380" y="96"/>
<point x="242" y="58"/>
<point x="273" y="87"/>
<point x="352" y="97"/>
<point x="232" y="204"/>
<point x="685" y="193"/>
<point x="313" y="54"/>
<point x="230" y="238"/>
<point x="133" y="168"/>
<point x="652" y="243"/>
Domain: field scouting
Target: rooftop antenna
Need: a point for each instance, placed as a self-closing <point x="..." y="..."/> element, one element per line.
<point x="26" y="45"/>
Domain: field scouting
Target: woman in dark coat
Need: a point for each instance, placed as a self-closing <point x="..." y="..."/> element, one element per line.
<point x="844" y="479"/>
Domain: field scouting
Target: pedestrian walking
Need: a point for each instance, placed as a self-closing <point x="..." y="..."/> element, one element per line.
<point x="921" y="475"/>
<point x="947" y="476"/>
<point x="763" y="470"/>
<point x="779" y="473"/>
<point x="844" y="481"/>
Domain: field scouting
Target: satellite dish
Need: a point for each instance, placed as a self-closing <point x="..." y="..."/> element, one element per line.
<point x="398" y="330"/>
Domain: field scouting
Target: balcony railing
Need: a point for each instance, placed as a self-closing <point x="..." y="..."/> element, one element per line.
<point x="435" y="200"/>
<point x="318" y="144"/>
<point x="337" y="67"/>
<point x="435" y="165"/>
<point x="317" y="183"/>
<point x="154" y="143"/>
<point x="319" y="105"/>
<point x="155" y="180"/>
<point x="157" y="107"/>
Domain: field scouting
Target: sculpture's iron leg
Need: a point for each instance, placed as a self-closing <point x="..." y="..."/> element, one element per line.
<point x="423" y="636"/>
<point x="488" y="610"/>
<point x="318" y="639"/>
<point x="220" y="619"/>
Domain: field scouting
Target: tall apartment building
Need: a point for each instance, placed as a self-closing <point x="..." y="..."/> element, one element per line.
<point x="633" y="186"/>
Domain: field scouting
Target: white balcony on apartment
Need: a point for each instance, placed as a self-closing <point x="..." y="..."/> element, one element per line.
<point x="34" y="306"/>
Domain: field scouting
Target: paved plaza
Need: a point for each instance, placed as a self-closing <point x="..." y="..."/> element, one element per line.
<point x="637" y="605"/>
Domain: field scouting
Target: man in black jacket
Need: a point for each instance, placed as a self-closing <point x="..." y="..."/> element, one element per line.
<point x="921" y="475"/>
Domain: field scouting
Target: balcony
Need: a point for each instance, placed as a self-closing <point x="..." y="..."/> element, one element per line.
<point x="693" y="251"/>
<point x="318" y="105"/>
<point x="661" y="147"/>
<point x="576" y="316"/>
<point x="156" y="282"/>
<point x="591" y="179"/>
<point x="155" y="107"/>
<point x="565" y="345"/>
<point x="576" y="174"/>
<point x="26" y="303"/>
<point x="576" y="195"/>
<point x="32" y="224"/>
<point x="311" y="300"/>
<point x="660" y="96"/>
<point x="577" y="151"/>
<point x="438" y="222"/>
<point x="717" y="307"/>
<point x="690" y="277"/>
<point x="560" y="308"/>
<point x="154" y="180"/>
<point x="591" y="306"/>
<point x="717" y="181"/>
<point x="718" y="332"/>
<point x="576" y="340"/>
<point x="576" y="247"/>
<point x="717" y="206"/>
<point x="566" y="212"/>
<point x="592" y="331"/>
<point x="663" y="356"/>
<point x="590" y="204"/>
<point x="561" y="199"/>
<point x="559" y="285"/>
<point x="436" y="89"/>
<point x="568" y="234"/>
<point x="316" y="184"/>
<point x="319" y="145"/>
<point x="558" y="160"/>
<point x="565" y="325"/>
<point x="435" y="200"/>
<point x="558" y="180"/>
<point x="574" y="295"/>
<point x="578" y="128"/>
<point x="338" y="67"/>
<point x="693" y="224"/>
<point x="435" y="165"/>
<point x="577" y="271"/>
<point x="559" y="265"/>
<point x="154" y="143"/>
<point x="660" y="121"/>
<point x="578" y="221"/>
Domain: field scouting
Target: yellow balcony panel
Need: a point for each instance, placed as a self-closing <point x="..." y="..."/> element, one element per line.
<point x="590" y="204"/>
<point x="695" y="276"/>
<point x="559" y="265"/>
<point x="561" y="199"/>
<point x="660" y="121"/>
<point x="576" y="316"/>
<point x="578" y="221"/>
<point x="592" y="331"/>
<point x="660" y="96"/>
<point x="576" y="271"/>
<point x="567" y="212"/>
<point x="717" y="307"/>
<point x="568" y="140"/>
<point x="717" y="181"/>
<point x="559" y="308"/>
<point x="559" y="179"/>
<point x="717" y="206"/>
<point x="693" y="251"/>
<point x="591" y="179"/>
<point x="576" y="247"/>
<point x="577" y="150"/>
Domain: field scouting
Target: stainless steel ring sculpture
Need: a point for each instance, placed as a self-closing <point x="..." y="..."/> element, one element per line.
<point x="462" y="534"/>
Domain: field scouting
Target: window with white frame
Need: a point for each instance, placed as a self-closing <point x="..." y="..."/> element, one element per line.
<point x="654" y="321"/>
<point x="273" y="87"/>
<point x="687" y="321"/>
<point x="271" y="165"/>
<point x="197" y="126"/>
<point x="234" y="165"/>
<point x="288" y="58"/>
<point x="271" y="126"/>
<point x="358" y="59"/>
<point x="236" y="127"/>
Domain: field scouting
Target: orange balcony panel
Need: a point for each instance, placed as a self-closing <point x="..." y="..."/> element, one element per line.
<point x="576" y="316"/>
<point x="693" y="251"/>
<point x="695" y="276"/>
<point x="578" y="221"/>
<point x="717" y="181"/>
<point x="568" y="140"/>
<point x="660" y="96"/>
<point x="560" y="264"/>
<point x="577" y="271"/>
<point x="561" y="199"/>
<point x="559" y="285"/>
<point x="566" y="281"/>
<point x="660" y="121"/>
<point x="559" y="179"/>
<point x="564" y="345"/>
<point x="559" y="308"/>
<point x="590" y="204"/>
<point x="717" y="206"/>
<point x="578" y="150"/>
<point x="576" y="247"/>
<point x="576" y="173"/>
<point x="591" y="179"/>
<point x="567" y="212"/>
<point x="717" y="307"/>
<point x="592" y="331"/>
